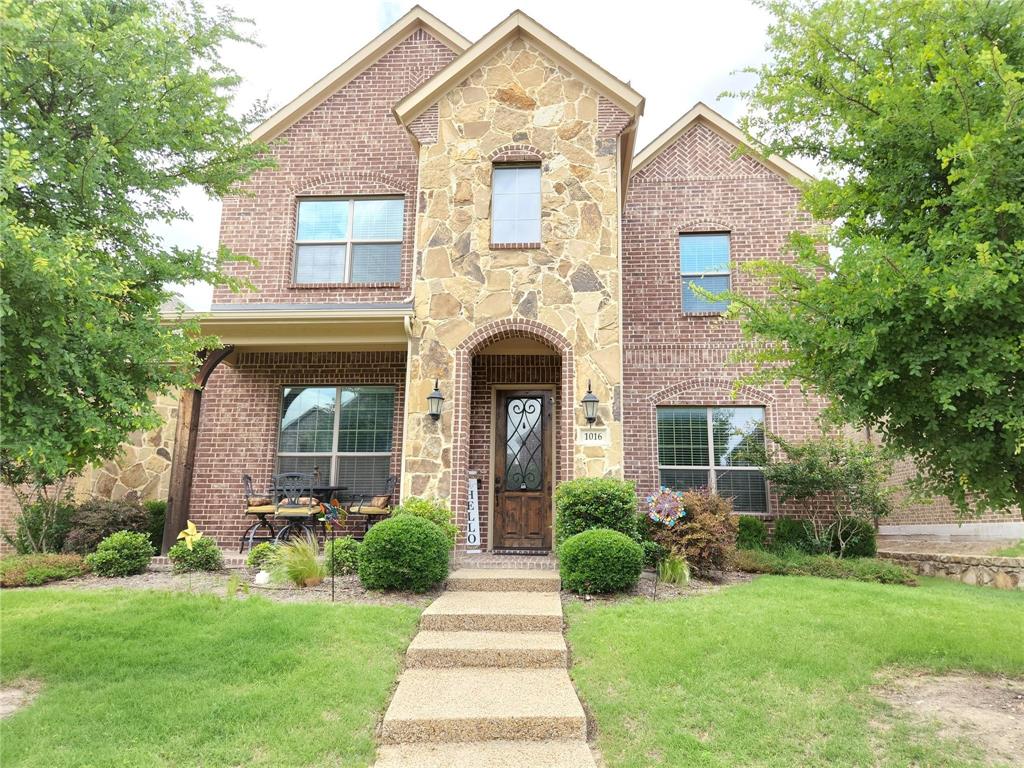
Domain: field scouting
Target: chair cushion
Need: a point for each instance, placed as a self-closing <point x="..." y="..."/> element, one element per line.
<point x="311" y="500"/>
<point x="262" y="509"/>
<point x="370" y="509"/>
<point x="380" y="501"/>
<point x="258" y="501"/>
<point x="296" y="513"/>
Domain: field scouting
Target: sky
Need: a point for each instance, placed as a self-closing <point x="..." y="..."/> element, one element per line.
<point x="674" y="53"/>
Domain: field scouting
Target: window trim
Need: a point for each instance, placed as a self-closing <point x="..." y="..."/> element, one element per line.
<point x="711" y="468"/>
<point x="689" y="276"/>
<point x="334" y="454"/>
<point x="517" y="245"/>
<point x="346" y="276"/>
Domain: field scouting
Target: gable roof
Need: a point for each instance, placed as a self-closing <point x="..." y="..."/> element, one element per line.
<point x="518" y="23"/>
<point x="725" y="128"/>
<point x="312" y="97"/>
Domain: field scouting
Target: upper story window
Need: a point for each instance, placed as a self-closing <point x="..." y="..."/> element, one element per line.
<point x="515" y="204"/>
<point x="716" y="448"/>
<point x="704" y="261"/>
<point x="349" y="240"/>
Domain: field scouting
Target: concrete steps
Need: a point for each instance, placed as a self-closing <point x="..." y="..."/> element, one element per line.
<point x="504" y="580"/>
<point x="494" y="611"/>
<point x="488" y="754"/>
<point x="481" y="704"/>
<point x="486" y="681"/>
<point x="445" y="650"/>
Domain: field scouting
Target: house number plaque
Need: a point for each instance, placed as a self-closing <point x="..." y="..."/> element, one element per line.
<point x="593" y="436"/>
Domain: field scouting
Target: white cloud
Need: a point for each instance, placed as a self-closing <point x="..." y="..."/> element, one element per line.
<point x="675" y="54"/>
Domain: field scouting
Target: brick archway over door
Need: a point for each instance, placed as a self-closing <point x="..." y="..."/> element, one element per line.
<point x="479" y="339"/>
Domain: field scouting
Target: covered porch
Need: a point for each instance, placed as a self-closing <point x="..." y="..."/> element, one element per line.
<point x="318" y="390"/>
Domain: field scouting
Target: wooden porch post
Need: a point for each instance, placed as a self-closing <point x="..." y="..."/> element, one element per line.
<point x="185" y="434"/>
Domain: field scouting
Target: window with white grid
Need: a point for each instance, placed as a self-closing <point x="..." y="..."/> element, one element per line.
<point x="340" y="435"/>
<point x="717" y="448"/>
<point x="349" y="240"/>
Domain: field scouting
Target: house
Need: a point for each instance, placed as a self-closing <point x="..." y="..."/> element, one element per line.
<point x="474" y="218"/>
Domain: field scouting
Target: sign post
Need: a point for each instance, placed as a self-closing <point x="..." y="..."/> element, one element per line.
<point x="473" y="514"/>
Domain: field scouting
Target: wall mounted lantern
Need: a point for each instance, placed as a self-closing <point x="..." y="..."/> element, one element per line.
<point x="434" y="402"/>
<point x="589" y="403"/>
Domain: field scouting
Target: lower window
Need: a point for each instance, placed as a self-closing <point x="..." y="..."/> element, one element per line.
<point x="340" y="435"/>
<point x="717" y="448"/>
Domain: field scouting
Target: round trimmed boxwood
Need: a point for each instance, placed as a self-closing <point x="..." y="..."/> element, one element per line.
<point x="123" y="553"/>
<point x="404" y="552"/>
<point x="600" y="560"/>
<point x="205" y="555"/>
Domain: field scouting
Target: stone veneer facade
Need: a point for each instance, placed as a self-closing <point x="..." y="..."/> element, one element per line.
<point x="563" y="292"/>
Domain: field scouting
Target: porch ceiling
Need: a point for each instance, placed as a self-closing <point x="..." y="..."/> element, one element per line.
<point x="276" y="328"/>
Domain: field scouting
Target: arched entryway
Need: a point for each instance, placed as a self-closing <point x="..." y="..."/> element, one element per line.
<point x="511" y="430"/>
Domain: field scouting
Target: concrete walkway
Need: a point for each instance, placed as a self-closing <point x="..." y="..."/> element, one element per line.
<point x="486" y="682"/>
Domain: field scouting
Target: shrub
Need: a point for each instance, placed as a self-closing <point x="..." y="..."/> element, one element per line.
<point x="341" y="556"/>
<point x="33" y="570"/>
<point x="708" y="534"/>
<point x="123" y="553"/>
<point x="157" y="509"/>
<point x="41" y="527"/>
<point x="205" y="555"/>
<point x="298" y="561"/>
<point x="653" y="553"/>
<point x="600" y="560"/>
<point x="259" y="556"/>
<point x="794" y="534"/>
<point x="434" y="510"/>
<point x="793" y="562"/>
<point x="595" y="502"/>
<point x="674" y="570"/>
<point x="95" y="519"/>
<point x="404" y="552"/>
<point x="751" y="533"/>
<point x="854" y="537"/>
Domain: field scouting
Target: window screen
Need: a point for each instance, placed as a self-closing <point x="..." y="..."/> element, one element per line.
<point x="704" y="261"/>
<point x="515" y="204"/>
<point x="351" y="240"/>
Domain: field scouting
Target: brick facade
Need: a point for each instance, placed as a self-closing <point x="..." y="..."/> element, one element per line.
<point x="348" y="145"/>
<point x="240" y="418"/>
<point x="697" y="185"/>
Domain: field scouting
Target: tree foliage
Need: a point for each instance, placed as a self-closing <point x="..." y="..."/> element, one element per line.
<point x="914" y="322"/>
<point x="110" y="108"/>
<point x="841" y="484"/>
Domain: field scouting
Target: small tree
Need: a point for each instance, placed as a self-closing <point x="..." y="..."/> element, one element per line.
<point x="838" y="481"/>
<point x="110" y="109"/>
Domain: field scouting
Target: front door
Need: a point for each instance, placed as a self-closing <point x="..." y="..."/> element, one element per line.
<point x="522" y="471"/>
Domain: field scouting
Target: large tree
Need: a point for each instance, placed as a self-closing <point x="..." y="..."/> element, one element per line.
<point x="110" y="108"/>
<point x="912" y="320"/>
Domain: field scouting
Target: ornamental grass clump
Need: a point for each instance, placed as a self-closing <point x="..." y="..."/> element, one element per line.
<point x="297" y="561"/>
<point x="600" y="560"/>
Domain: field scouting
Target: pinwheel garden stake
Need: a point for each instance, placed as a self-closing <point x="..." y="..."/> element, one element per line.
<point x="190" y="536"/>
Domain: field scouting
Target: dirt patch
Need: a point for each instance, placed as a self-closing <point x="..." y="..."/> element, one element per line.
<point x="650" y="588"/>
<point x="347" y="589"/>
<point x="16" y="697"/>
<point x="987" y="712"/>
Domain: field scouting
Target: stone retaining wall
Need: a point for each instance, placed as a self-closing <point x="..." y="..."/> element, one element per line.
<point x="998" y="572"/>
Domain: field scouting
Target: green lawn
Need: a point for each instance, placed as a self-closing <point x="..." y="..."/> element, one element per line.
<point x="778" y="672"/>
<point x="158" y="679"/>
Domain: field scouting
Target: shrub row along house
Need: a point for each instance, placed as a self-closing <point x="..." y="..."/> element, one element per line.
<point x="472" y="218"/>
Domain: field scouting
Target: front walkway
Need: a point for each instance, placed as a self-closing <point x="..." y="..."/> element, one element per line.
<point x="486" y="682"/>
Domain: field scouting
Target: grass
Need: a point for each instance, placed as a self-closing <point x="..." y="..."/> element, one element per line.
<point x="158" y="679"/>
<point x="1017" y="550"/>
<point x="778" y="672"/>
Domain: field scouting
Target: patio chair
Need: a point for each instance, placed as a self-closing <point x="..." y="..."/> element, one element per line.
<point x="375" y="506"/>
<point x="295" y="505"/>
<point x="259" y="506"/>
